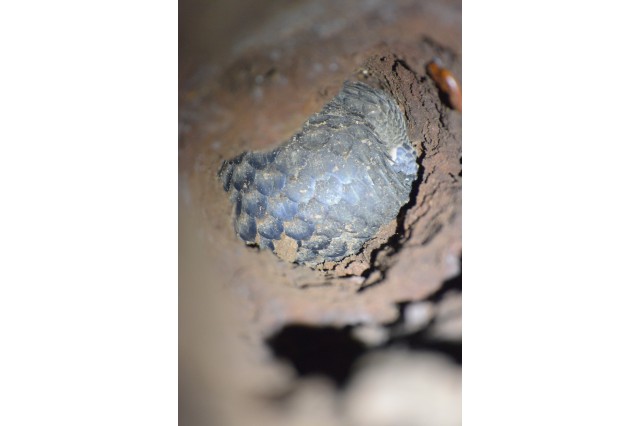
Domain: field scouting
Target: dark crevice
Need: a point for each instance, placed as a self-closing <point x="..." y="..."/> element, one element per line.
<point x="443" y="97"/>
<point x="394" y="244"/>
<point x="332" y="352"/>
<point x="327" y="351"/>
<point x="404" y="65"/>
<point x="421" y="340"/>
<point x="452" y="284"/>
<point x="418" y="342"/>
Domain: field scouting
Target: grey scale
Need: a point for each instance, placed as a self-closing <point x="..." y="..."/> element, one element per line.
<point x="330" y="187"/>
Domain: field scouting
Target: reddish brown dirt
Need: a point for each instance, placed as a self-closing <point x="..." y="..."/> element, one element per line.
<point x="256" y="96"/>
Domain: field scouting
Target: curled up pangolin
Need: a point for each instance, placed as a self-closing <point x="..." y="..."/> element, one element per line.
<point x="322" y="194"/>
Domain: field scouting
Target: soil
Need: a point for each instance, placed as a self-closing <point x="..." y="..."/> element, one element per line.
<point x="398" y="300"/>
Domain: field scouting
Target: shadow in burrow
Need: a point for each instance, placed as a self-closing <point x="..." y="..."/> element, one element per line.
<point x="332" y="352"/>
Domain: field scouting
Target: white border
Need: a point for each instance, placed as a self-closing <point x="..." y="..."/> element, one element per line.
<point x="88" y="177"/>
<point x="550" y="201"/>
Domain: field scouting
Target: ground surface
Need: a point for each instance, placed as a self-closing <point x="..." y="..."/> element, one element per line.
<point x="268" y="340"/>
